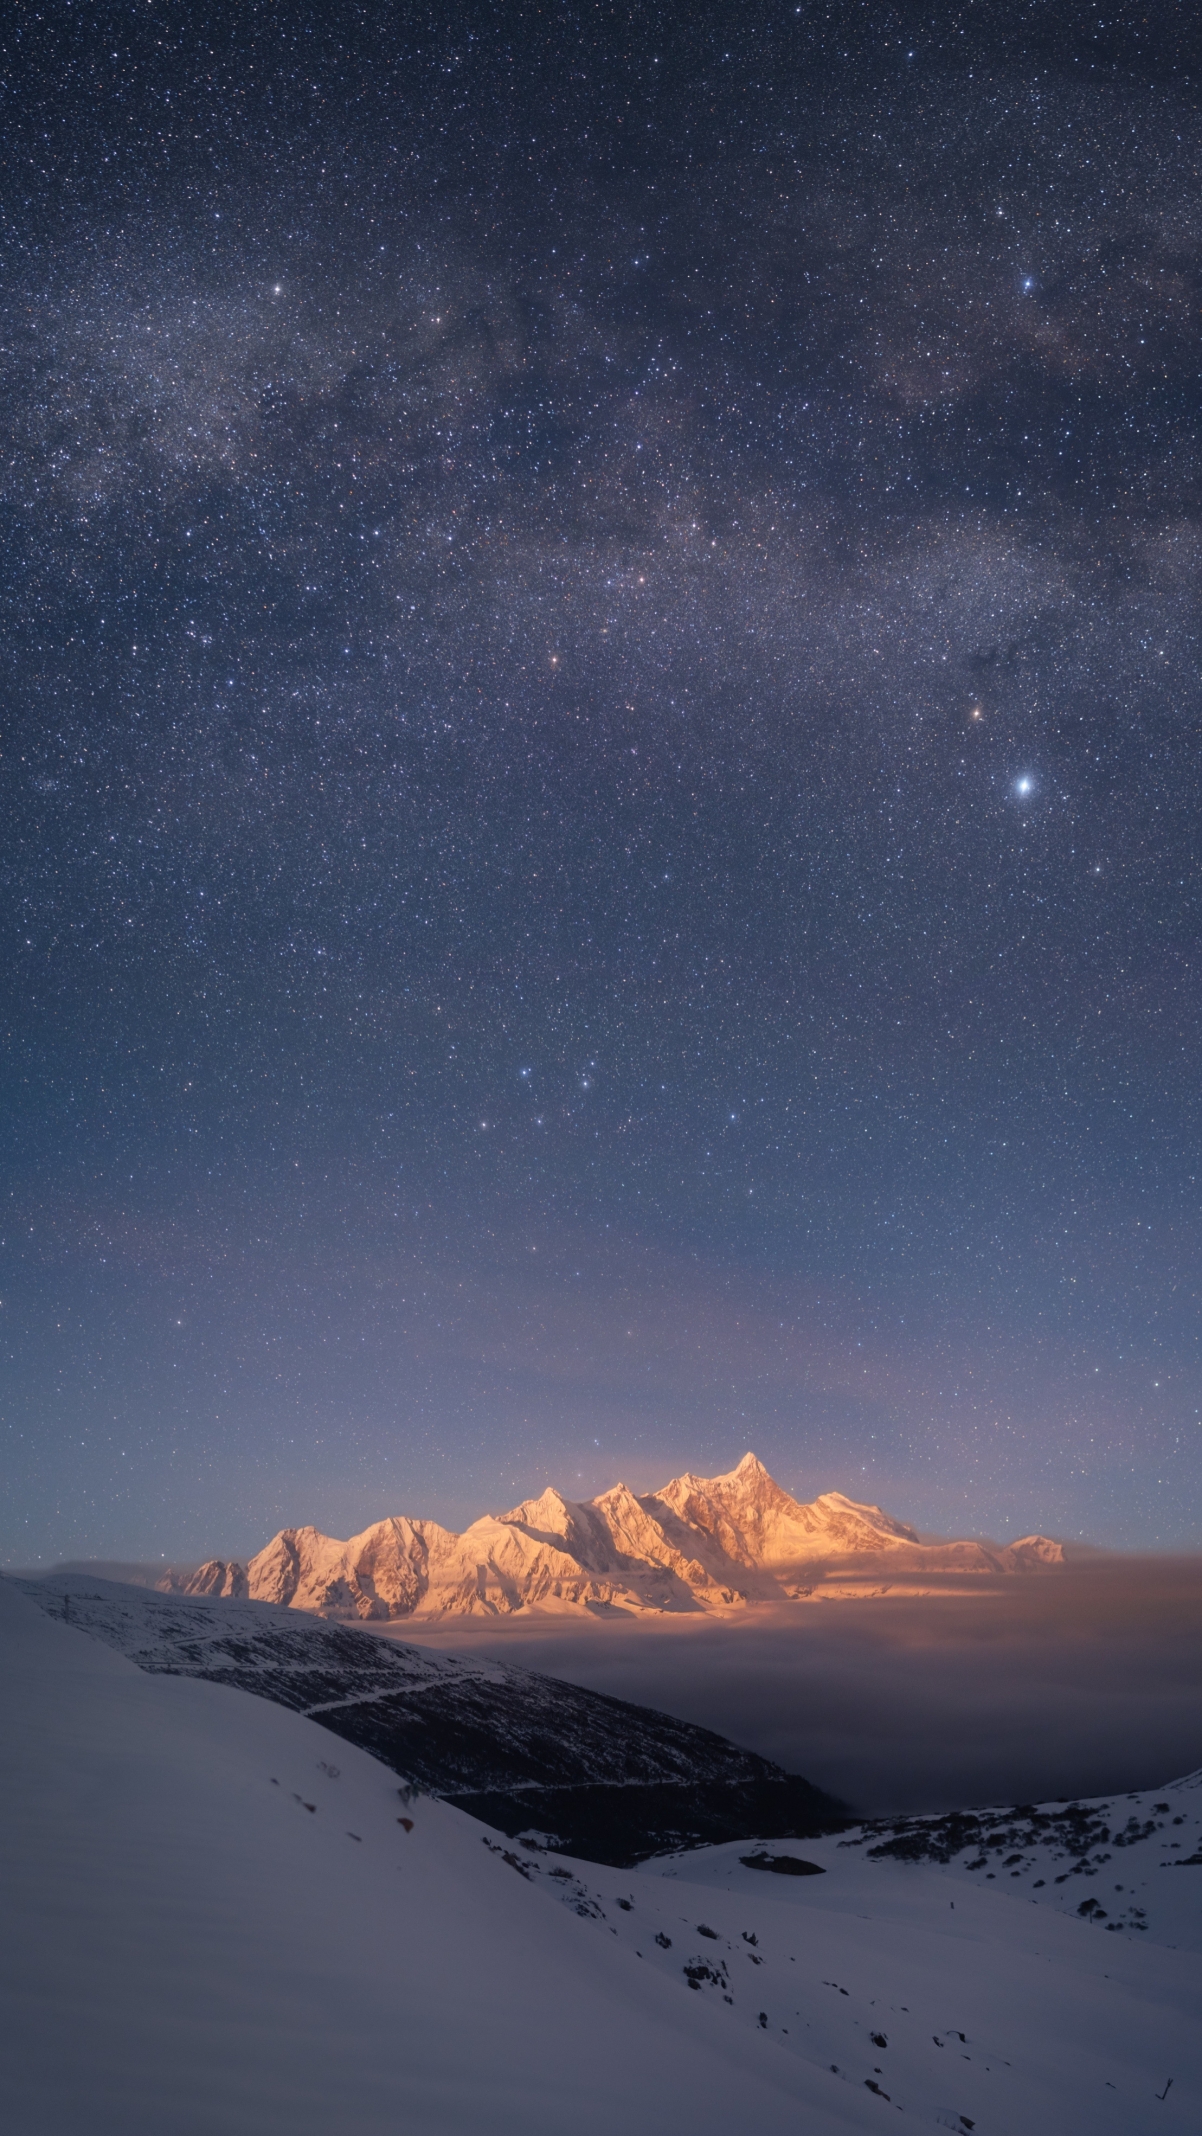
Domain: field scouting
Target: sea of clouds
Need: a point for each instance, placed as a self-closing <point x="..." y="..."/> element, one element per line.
<point x="1085" y="1682"/>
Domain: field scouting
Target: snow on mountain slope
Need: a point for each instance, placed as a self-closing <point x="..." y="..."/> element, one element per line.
<point x="1031" y="1551"/>
<point x="958" y="2003"/>
<point x="756" y="1523"/>
<point x="614" y="1781"/>
<point x="1103" y="1860"/>
<point x="710" y="1543"/>
<point x="212" y="1925"/>
<point x="215" y="1577"/>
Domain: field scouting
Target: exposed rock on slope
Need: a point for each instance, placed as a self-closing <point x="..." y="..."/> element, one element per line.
<point x="711" y="1543"/>
<point x="611" y="1781"/>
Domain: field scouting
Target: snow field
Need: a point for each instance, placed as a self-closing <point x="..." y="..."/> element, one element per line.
<point x="216" y="1923"/>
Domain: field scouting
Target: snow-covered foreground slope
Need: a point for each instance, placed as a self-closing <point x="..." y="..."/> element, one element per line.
<point x="213" y="1925"/>
<point x="957" y="2004"/>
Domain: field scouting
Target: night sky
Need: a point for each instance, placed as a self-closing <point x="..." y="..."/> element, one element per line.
<point x="600" y="763"/>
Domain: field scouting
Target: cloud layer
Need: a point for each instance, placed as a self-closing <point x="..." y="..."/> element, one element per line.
<point x="1078" y="1684"/>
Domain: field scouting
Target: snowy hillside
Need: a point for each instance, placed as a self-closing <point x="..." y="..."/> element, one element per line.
<point x="213" y="1925"/>
<point x="1008" y="2011"/>
<point x="711" y="1543"/>
<point x="1102" y="1859"/>
<point x="613" y="1781"/>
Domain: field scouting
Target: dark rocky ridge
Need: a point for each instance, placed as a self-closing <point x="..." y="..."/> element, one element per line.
<point x="609" y="1781"/>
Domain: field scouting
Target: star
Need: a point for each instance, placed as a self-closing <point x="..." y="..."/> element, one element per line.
<point x="777" y="486"/>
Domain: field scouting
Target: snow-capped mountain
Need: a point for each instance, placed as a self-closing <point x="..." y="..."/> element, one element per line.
<point x="611" y="1781"/>
<point x="710" y="1543"/>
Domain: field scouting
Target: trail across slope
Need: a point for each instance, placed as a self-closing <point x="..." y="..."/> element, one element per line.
<point x="613" y="1781"/>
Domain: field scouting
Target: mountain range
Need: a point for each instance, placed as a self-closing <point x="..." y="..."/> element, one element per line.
<point x="717" y="1544"/>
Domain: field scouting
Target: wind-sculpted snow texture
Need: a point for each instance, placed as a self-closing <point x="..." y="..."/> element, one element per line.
<point x="612" y="1781"/>
<point x="708" y="1543"/>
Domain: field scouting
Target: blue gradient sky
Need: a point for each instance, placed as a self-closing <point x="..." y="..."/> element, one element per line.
<point x="600" y="768"/>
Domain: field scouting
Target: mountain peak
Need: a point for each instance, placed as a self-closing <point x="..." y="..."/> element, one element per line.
<point x="750" y="1465"/>
<point x="550" y="1506"/>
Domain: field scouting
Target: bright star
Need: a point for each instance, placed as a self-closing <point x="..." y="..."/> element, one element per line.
<point x="1024" y="785"/>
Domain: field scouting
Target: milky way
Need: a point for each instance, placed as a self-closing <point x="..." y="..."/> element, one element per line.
<point x="600" y="765"/>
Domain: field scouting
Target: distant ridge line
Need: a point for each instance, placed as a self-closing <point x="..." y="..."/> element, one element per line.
<point x="714" y="1545"/>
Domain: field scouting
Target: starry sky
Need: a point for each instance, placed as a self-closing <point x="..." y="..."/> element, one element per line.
<point x="600" y="763"/>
